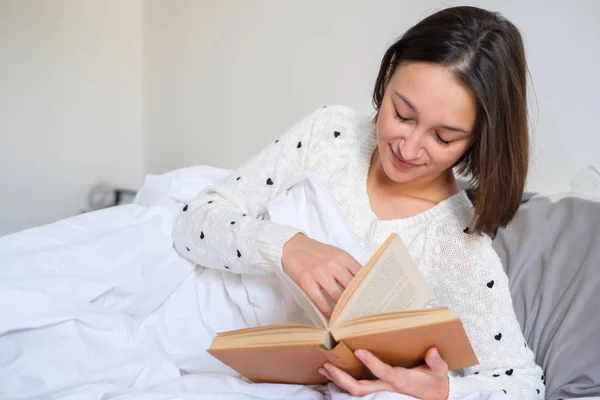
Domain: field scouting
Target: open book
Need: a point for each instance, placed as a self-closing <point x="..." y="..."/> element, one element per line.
<point x="380" y="310"/>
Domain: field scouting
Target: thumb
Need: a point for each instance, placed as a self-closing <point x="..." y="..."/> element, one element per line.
<point x="435" y="362"/>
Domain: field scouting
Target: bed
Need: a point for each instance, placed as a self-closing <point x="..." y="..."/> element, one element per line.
<point x="101" y="306"/>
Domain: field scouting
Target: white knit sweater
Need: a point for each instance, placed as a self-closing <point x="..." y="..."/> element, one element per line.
<point x="224" y="223"/>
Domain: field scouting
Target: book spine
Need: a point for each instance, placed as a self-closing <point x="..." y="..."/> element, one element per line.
<point x="343" y="357"/>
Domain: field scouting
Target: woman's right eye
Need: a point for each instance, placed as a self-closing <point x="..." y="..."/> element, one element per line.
<point x="400" y="117"/>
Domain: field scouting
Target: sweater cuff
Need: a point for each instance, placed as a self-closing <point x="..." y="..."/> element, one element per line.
<point x="270" y="239"/>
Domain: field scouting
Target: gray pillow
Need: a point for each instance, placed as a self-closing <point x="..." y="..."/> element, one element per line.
<point x="551" y="253"/>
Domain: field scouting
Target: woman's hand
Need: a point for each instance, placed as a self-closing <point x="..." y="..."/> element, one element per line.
<point x="426" y="382"/>
<point x="317" y="267"/>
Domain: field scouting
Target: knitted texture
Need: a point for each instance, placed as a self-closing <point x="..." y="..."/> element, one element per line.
<point x="224" y="226"/>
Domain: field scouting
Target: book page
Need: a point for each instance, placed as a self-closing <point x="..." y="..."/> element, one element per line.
<point x="313" y="313"/>
<point x="394" y="283"/>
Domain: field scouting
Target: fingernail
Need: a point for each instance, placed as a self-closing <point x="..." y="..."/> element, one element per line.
<point x="327" y="366"/>
<point x="359" y="354"/>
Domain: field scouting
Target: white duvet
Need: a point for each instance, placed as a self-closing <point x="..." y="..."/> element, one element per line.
<point x="100" y="306"/>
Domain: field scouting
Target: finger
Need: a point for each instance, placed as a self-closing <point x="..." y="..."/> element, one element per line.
<point x="352" y="386"/>
<point x="324" y="372"/>
<point x="351" y="264"/>
<point x="380" y="369"/>
<point x="434" y="361"/>
<point x="342" y="379"/>
<point x="317" y="297"/>
<point x="343" y="276"/>
<point x="331" y="287"/>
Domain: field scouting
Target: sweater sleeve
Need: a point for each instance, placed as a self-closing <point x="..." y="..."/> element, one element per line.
<point x="481" y="299"/>
<point x="223" y="226"/>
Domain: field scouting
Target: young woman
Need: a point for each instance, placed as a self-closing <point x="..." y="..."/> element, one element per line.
<point x="451" y="94"/>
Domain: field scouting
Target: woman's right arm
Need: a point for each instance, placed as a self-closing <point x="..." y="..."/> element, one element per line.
<point x="222" y="226"/>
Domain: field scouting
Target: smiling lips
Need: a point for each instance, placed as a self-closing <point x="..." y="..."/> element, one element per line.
<point x="401" y="163"/>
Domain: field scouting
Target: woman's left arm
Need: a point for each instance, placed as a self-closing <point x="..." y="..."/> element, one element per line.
<point x="469" y="279"/>
<point x="478" y="294"/>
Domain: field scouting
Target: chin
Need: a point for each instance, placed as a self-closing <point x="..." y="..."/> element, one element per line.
<point x="396" y="175"/>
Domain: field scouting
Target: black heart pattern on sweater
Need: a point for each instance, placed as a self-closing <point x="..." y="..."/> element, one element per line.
<point x="336" y="134"/>
<point x="490" y="284"/>
<point x="509" y="372"/>
<point x="269" y="181"/>
<point x="498" y="336"/>
<point x="201" y="234"/>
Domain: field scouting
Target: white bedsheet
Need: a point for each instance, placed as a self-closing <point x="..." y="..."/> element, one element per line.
<point x="100" y="306"/>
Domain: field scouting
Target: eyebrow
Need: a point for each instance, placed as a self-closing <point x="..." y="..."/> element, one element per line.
<point x="414" y="109"/>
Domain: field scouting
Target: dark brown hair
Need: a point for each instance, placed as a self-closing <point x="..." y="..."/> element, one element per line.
<point x="485" y="53"/>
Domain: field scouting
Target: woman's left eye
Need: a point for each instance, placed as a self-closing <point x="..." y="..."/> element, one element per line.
<point x="441" y="141"/>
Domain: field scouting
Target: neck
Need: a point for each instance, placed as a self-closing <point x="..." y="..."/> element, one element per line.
<point x="434" y="188"/>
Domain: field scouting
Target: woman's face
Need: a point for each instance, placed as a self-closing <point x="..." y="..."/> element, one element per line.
<point x="425" y="122"/>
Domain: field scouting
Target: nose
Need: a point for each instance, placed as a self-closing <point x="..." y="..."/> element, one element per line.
<point x="411" y="145"/>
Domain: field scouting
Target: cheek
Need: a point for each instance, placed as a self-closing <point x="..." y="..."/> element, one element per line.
<point x="381" y="127"/>
<point x="446" y="157"/>
<point x="385" y="121"/>
<point x="388" y="128"/>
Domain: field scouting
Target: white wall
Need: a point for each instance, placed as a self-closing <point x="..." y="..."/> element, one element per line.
<point x="70" y="105"/>
<point x="224" y="77"/>
<point x="107" y="90"/>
